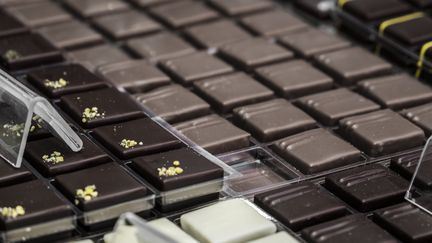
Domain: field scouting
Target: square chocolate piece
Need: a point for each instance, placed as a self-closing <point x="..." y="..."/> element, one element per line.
<point x="134" y="76"/>
<point x="368" y="187"/>
<point x="182" y="13"/>
<point x="215" y="34"/>
<point x="254" y="52"/>
<point x="349" y="229"/>
<point x="273" y="119"/>
<point x="331" y="106"/>
<point x="370" y="10"/>
<point x="396" y="91"/>
<point x="237" y="7"/>
<point x="96" y="56"/>
<point x="233" y="90"/>
<point x="27" y="50"/>
<point x="55" y="81"/>
<point x="100" y="107"/>
<point x="51" y="156"/>
<point x="10" y="175"/>
<point x="413" y="32"/>
<point x="136" y="138"/>
<point x="301" y="205"/>
<point x="195" y="66"/>
<point x="294" y="79"/>
<point x="273" y="23"/>
<point x="352" y="64"/>
<point x="160" y="46"/>
<point x="313" y="41"/>
<point x="70" y="34"/>
<point x="381" y="132"/>
<point x="184" y="167"/>
<point x="406" y="165"/>
<point x="100" y="187"/>
<point x="91" y="8"/>
<point x="126" y="24"/>
<point x="38" y="14"/>
<point x="421" y="116"/>
<point x="214" y="134"/>
<point x="173" y="103"/>
<point x="316" y="151"/>
<point x="9" y="25"/>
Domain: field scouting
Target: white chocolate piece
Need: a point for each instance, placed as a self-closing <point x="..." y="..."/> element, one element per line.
<point x="170" y="229"/>
<point x="123" y="233"/>
<point x="278" y="237"/>
<point x="231" y="221"/>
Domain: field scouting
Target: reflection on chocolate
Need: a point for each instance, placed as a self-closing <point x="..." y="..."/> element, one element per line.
<point x="406" y="165"/>
<point x="10" y="175"/>
<point x="237" y="7"/>
<point x="38" y="14"/>
<point x="91" y="8"/>
<point x="421" y="116"/>
<point x="94" y="57"/>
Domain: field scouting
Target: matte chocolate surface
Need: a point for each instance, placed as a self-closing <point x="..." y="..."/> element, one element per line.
<point x="195" y="66"/>
<point x="215" y="34"/>
<point x="352" y="64"/>
<point x="105" y="106"/>
<point x="214" y="134"/>
<point x="10" y="175"/>
<point x="195" y="169"/>
<point x="237" y="7"/>
<point x="181" y="13"/>
<point x="174" y="103"/>
<point x="405" y="166"/>
<point x="368" y="187"/>
<point x="112" y="183"/>
<point x="56" y="81"/>
<point x="136" y="138"/>
<point x="273" y="119"/>
<point x="273" y="23"/>
<point x="27" y="50"/>
<point x="313" y="41"/>
<point x="370" y="10"/>
<point x="38" y="14"/>
<point x="301" y="205"/>
<point x="9" y="24"/>
<point x="40" y="203"/>
<point x="126" y="24"/>
<point x="39" y="154"/>
<point x="295" y="78"/>
<point x="91" y="8"/>
<point x="316" y="151"/>
<point x="254" y="52"/>
<point x="381" y="132"/>
<point x="229" y="91"/>
<point x="349" y="229"/>
<point x="414" y="32"/>
<point x="396" y="91"/>
<point x="421" y="116"/>
<point x="331" y="106"/>
<point x="160" y="46"/>
<point x="134" y="76"/>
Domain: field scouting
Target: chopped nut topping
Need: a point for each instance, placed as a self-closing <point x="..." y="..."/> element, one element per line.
<point x="130" y="143"/>
<point x="11" y="55"/>
<point x="91" y="113"/>
<point x="54" y="158"/>
<point x="172" y="170"/>
<point x="10" y="212"/>
<point x="88" y="193"/>
<point x="56" y="84"/>
<point x="16" y="130"/>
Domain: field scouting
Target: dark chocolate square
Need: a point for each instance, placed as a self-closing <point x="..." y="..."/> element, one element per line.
<point x="254" y="52"/>
<point x="421" y="116"/>
<point x="173" y="103"/>
<point x="70" y="34"/>
<point x="51" y="156"/>
<point x="38" y="14"/>
<point x="349" y="229"/>
<point x="313" y="41"/>
<point x="233" y="90"/>
<point x="368" y="187"/>
<point x="91" y="8"/>
<point x="405" y="165"/>
<point x="112" y="184"/>
<point x="273" y="23"/>
<point x="331" y="106"/>
<point x="301" y="205"/>
<point x="100" y="107"/>
<point x="56" y="81"/>
<point x="421" y="3"/>
<point x="195" y="169"/>
<point x="136" y="138"/>
<point x="160" y="46"/>
<point x="381" y="132"/>
<point x="317" y="8"/>
<point x="134" y="76"/>
<point x="94" y="57"/>
<point x="126" y="24"/>
<point x="182" y="13"/>
<point x="214" y="134"/>
<point x="148" y="3"/>
<point x="371" y="10"/>
<point x="295" y="78"/>
<point x="195" y="66"/>
<point x="10" y="175"/>
<point x="352" y="64"/>
<point x="316" y="151"/>
<point x="413" y="32"/>
<point x="273" y="119"/>
<point x="9" y="25"/>
<point x="215" y="34"/>
<point x="396" y="91"/>
<point x="237" y="7"/>
<point x="27" y="50"/>
<point x="40" y="203"/>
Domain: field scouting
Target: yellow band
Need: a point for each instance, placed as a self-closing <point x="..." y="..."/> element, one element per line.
<point x="341" y="3"/>
<point x="422" y="56"/>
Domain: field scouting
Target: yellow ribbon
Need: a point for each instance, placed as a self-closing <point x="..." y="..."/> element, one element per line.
<point x="422" y="56"/>
<point x="341" y="3"/>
